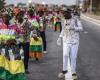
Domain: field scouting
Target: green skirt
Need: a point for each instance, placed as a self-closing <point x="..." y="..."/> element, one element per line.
<point x="35" y="48"/>
<point x="11" y="63"/>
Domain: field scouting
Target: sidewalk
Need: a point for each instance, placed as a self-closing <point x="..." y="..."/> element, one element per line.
<point x="91" y="18"/>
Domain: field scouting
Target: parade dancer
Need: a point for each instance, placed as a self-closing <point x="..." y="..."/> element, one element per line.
<point x="35" y="45"/>
<point x="35" y="38"/>
<point x="42" y="30"/>
<point x="11" y="55"/>
<point x="70" y="36"/>
<point x="23" y="25"/>
<point x="57" y="22"/>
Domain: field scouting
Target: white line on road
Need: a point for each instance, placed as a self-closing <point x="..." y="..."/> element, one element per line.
<point x="85" y="32"/>
<point x="94" y="21"/>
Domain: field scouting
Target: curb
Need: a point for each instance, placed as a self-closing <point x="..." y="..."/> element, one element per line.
<point x="90" y="19"/>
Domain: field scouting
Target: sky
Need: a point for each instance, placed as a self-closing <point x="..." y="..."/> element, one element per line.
<point x="67" y="2"/>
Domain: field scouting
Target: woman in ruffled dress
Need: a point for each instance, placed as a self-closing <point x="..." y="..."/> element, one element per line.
<point x="11" y="55"/>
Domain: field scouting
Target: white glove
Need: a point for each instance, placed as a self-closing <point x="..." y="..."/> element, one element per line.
<point x="59" y="42"/>
<point x="18" y="40"/>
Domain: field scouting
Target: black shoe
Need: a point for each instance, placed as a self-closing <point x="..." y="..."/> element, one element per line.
<point x="64" y="72"/>
<point x="62" y="75"/>
<point x="74" y="76"/>
<point x="27" y="72"/>
<point x="37" y="59"/>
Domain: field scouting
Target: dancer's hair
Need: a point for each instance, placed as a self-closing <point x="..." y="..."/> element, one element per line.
<point x="67" y="14"/>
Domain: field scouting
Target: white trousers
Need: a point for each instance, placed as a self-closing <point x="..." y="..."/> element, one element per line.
<point x="70" y="52"/>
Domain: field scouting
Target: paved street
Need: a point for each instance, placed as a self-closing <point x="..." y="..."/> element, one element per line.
<point x="88" y="66"/>
<point x="23" y="21"/>
<point x="51" y="65"/>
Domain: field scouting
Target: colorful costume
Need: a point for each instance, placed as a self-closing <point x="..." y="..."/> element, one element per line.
<point x="34" y="22"/>
<point x="36" y="48"/>
<point x="11" y="55"/>
<point x="57" y="23"/>
<point x="35" y="45"/>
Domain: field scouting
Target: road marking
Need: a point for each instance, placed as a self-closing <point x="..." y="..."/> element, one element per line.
<point x="96" y="22"/>
<point x="85" y="32"/>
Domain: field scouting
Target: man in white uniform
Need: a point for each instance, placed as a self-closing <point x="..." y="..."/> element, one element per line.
<point x="71" y="26"/>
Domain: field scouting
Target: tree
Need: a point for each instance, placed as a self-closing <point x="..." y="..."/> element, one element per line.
<point x="96" y="6"/>
<point x="2" y="4"/>
<point x="21" y="4"/>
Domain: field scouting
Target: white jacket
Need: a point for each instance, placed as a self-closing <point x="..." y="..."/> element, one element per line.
<point x="70" y="30"/>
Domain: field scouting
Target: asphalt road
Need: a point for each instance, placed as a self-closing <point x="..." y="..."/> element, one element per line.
<point x="88" y="61"/>
<point x="49" y="67"/>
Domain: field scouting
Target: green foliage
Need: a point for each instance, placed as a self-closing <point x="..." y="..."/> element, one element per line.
<point x="2" y="4"/>
<point x="21" y="4"/>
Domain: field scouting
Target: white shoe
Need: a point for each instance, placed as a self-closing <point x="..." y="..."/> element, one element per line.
<point x="61" y="76"/>
<point x="44" y="52"/>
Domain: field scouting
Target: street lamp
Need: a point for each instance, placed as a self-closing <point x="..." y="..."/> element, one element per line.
<point x="43" y="3"/>
<point x="30" y="1"/>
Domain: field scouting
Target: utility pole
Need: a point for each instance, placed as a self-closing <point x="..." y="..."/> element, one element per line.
<point x="91" y="5"/>
<point x="77" y="2"/>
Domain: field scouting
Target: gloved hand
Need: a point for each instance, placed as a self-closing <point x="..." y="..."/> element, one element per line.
<point x="18" y="40"/>
<point x="59" y="42"/>
<point x="72" y="28"/>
